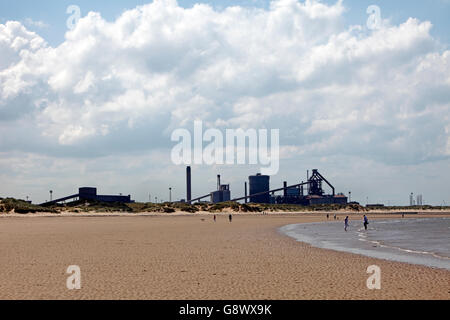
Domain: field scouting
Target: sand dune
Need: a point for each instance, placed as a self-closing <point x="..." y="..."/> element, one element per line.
<point x="183" y="257"/>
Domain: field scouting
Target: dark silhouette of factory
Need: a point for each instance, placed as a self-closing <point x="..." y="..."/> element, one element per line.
<point x="306" y="193"/>
<point x="88" y="193"/>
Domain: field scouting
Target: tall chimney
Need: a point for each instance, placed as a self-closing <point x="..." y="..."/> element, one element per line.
<point x="246" y="200"/>
<point x="188" y="185"/>
<point x="218" y="182"/>
<point x="285" y="188"/>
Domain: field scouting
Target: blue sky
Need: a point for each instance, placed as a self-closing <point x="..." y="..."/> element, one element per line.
<point x="53" y="13"/>
<point x="96" y="106"/>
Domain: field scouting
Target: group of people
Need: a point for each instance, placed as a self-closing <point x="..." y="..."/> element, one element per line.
<point x="346" y="225"/>
<point x="365" y="222"/>
<point x="230" y="218"/>
<point x="328" y="216"/>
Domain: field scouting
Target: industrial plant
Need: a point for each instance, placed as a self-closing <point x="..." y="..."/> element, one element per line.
<point x="306" y="193"/>
<point x="88" y="193"/>
<point x="257" y="190"/>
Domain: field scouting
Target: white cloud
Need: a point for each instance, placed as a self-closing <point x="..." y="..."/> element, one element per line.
<point x="331" y="89"/>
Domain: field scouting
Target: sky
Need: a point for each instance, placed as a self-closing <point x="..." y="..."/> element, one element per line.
<point x="96" y="105"/>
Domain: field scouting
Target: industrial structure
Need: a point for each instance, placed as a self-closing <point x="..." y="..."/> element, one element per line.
<point x="295" y="194"/>
<point x="310" y="192"/>
<point x="419" y="201"/>
<point x="88" y="193"/>
<point x="188" y="185"/>
<point x="222" y="193"/>
<point x="258" y="185"/>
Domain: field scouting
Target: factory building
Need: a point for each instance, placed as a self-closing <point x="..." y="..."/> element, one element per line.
<point x="419" y="201"/>
<point x="222" y="194"/>
<point x="306" y="193"/>
<point x="310" y="200"/>
<point x="313" y="194"/>
<point x="259" y="184"/>
<point x="314" y="200"/>
<point x="89" y="193"/>
<point x="293" y="192"/>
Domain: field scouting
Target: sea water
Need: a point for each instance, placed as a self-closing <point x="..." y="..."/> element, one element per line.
<point x="424" y="241"/>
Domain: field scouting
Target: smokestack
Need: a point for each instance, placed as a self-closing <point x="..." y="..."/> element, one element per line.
<point x="246" y="192"/>
<point x="218" y="182"/>
<point x="285" y="188"/>
<point x="188" y="185"/>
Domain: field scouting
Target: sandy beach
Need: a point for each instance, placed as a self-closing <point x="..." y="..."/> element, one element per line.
<point x="191" y="257"/>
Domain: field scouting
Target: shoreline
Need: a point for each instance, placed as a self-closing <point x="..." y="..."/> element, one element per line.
<point x="325" y="235"/>
<point x="191" y="257"/>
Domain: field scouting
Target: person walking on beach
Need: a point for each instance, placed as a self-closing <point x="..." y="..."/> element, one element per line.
<point x="335" y="216"/>
<point x="215" y="218"/>
<point x="230" y="217"/>
<point x="366" y="222"/>
<point x="328" y="216"/>
<point x="346" y="223"/>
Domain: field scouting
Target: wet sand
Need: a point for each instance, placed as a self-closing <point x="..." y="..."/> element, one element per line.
<point x="183" y="257"/>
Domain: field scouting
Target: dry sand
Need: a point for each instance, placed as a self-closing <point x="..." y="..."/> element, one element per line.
<point x="183" y="257"/>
